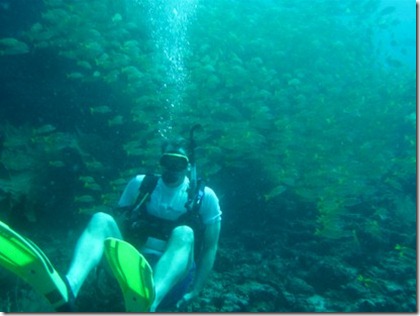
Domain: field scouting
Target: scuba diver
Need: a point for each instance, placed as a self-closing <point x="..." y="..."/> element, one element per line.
<point x="172" y="223"/>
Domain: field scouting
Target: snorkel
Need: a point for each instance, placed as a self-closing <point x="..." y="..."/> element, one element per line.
<point x="191" y="150"/>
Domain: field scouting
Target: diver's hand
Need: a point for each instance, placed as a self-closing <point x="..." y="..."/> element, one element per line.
<point x="186" y="299"/>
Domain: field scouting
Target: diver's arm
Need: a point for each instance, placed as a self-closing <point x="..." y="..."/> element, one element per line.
<point x="128" y="198"/>
<point x="206" y="261"/>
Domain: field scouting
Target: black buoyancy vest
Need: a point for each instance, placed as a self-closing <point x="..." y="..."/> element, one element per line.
<point x="153" y="226"/>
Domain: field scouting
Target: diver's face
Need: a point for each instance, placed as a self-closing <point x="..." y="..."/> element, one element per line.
<point x="173" y="178"/>
<point x="174" y="168"/>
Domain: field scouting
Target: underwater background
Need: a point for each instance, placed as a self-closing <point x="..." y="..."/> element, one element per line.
<point x="308" y="111"/>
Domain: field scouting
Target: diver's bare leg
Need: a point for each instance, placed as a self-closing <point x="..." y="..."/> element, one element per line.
<point x="90" y="248"/>
<point x="174" y="263"/>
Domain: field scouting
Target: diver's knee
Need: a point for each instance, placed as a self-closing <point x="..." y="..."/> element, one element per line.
<point x="103" y="221"/>
<point x="183" y="234"/>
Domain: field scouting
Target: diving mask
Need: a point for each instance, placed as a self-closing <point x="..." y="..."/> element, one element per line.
<point x="174" y="161"/>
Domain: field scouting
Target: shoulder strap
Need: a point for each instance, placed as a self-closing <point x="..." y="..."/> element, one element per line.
<point x="195" y="197"/>
<point x="199" y="194"/>
<point x="146" y="188"/>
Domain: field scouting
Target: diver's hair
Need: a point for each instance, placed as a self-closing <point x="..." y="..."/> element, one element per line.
<point x="175" y="145"/>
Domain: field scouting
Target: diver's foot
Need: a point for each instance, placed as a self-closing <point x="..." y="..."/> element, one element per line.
<point x="26" y="260"/>
<point x="69" y="306"/>
<point x="133" y="273"/>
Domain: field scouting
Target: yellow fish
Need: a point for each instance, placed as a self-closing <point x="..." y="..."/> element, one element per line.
<point x="104" y="109"/>
<point x="275" y="192"/>
<point x="84" y="199"/>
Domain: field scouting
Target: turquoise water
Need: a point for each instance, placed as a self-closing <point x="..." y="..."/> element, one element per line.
<point x="309" y="118"/>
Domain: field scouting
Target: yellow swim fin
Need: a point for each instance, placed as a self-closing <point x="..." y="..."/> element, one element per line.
<point x="133" y="273"/>
<point x="23" y="258"/>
